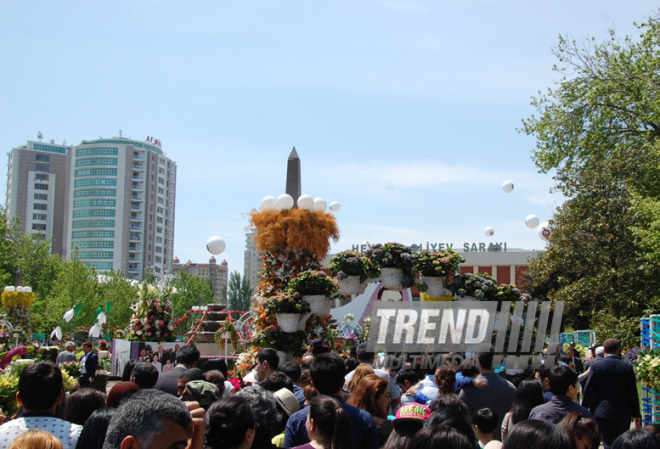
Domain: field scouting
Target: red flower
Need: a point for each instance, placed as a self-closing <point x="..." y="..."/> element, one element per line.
<point x="160" y="310"/>
<point x="137" y="328"/>
<point x="149" y="334"/>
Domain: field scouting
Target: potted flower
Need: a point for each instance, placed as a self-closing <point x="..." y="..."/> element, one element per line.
<point x="435" y="267"/>
<point x="315" y="287"/>
<point x="396" y="263"/>
<point x="287" y="308"/>
<point x="352" y="269"/>
<point x="471" y="287"/>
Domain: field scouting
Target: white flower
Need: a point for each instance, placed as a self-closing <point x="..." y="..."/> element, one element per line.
<point x="174" y="290"/>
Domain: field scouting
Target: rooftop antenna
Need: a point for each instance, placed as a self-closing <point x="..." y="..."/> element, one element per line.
<point x="40" y="136"/>
<point x="120" y="133"/>
<point x="64" y="143"/>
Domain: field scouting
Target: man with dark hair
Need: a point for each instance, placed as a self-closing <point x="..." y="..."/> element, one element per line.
<point x="294" y="373"/>
<point x="327" y="374"/>
<point x="152" y="419"/>
<point x="88" y="364"/>
<point x="611" y="394"/>
<point x="367" y="357"/>
<point x="186" y="358"/>
<point x="276" y="382"/>
<point x="565" y="387"/>
<point x="144" y="375"/>
<point x="497" y="395"/>
<point x="543" y="376"/>
<point x="267" y="363"/>
<point x="40" y="390"/>
<point x="574" y="357"/>
<point x="188" y="376"/>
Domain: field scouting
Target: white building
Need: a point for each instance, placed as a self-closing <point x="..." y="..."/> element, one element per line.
<point x="253" y="262"/>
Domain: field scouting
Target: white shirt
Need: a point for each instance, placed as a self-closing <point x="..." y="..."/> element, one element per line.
<point x="65" y="431"/>
<point x="228" y="389"/>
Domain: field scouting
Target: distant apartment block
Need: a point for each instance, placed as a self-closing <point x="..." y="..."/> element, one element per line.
<point x="253" y="262"/>
<point x="217" y="274"/>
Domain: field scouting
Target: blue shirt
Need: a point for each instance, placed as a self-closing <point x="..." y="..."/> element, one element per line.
<point x="363" y="428"/>
<point x="299" y="393"/>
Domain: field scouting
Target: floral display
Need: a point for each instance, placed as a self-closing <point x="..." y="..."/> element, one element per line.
<point x="280" y="266"/>
<point x="73" y="369"/>
<point x="352" y="263"/>
<point x="648" y="370"/>
<point x="228" y="327"/>
<point x="508" y="292"/>
<point x="152" y="314"/>
<point x="313" y="283"/>
<point x="395" y="255"/>
<point x="285" y="303"/>
<point x="424" y="297"/>
<point x="437" y="264"/>
<point x="17" y="306"/>
<point x="480" y="286"/>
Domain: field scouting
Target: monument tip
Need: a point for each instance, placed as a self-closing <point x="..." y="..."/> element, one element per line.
<point x="294" y="154"/>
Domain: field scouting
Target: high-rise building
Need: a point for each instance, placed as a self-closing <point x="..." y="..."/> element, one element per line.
<point x="37" y="188"/>
<point x="252" y="262"/>
<point x="120" y="206"/>
<point x="217" y="274"/>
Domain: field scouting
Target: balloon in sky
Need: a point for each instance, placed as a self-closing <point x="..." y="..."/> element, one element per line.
<point x="532" y="221"/>
<point x="306" y="202"/>
<point x="320" y="204"/>
<point x="216" y="245"/>
<point x="489" y="231"/>
<point x="507" y="186"/>
<point x="268" y="203"/>
<point x="334" y="206"/>
<point x="284" y="201"/>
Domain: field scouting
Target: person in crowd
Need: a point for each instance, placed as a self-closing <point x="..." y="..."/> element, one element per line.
<point x="328" y="425"/>
<point x="372" y="395"/>
<point x="653" y="428"/>
<point x="153" y="419"/>
<point x="408" y="421"/>
<point x="306" y="362"/>
<point x="599" y="356"/>
<point x="636" y="439"/>
<point x="167" y="366"/>
<point x="277" y="381"/>
<point x="365" y="356"/>
<point x="68" y="355"/>
<point x="155" y="361"/>
<point x="201" y="391"/>
<point x="529" y="395"/>
<point x="119" y="392"/>
<point x="217" y="379"/>
<point x="468" y="377"/>
<point x="88" y="365"/>
<point x="96" y="426"/>
<point x="327" y="373"/>
<point x="188" y="375"/>
<point x="294" y="373"/>
<point x="186" y="358"/>
<point x="81" y="404"/>
<point x="565" y="387"/>
<point x="497" y="395"/>
<point x="128" y="370"/>
<point x="582" y="432"/>
<point x="450" y="401"/>
<point x="360" y="373"/>
<point x="267" y="363"/>
<point x="351" y="365"/>
<point x="230" y="424"/>
<point x="144" y="375"/>
<point x="444" y="379"/>
<point x="611" y="394"/>
<point x="40" y="390"/>
<point x="575" y="359"/>
<point x="457" y="421"/>
<point x="543" y="376"/>
<point x="439" y="436"/>
<point x="410" y="385"/>
<point x="220" y="365"/>
<point x="36" y="439"/>
<point x="484" y="422"/>
<point x="270" y="420"/>
<point x="532" y="434"/>
<point x="288" y="405"/>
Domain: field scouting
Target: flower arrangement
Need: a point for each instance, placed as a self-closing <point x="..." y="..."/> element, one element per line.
<point x="313" y="283"/>
<point x="152" y="317"/>
<point x="287" y="303"/>
<point x="424" y="297"/>
<point x="364" y="333"/>
<point x="280" y="266"/>
<point x="508" y="292"/>
<point x="73" y="369"/>
<point x="352" y="263"/>
<point x="17" y="298"/>
<point x="480" y="286"/>
<point x="17" y="302"/>
<point x="293" y="342"/>
<point x="648" y="369"/>
<point x="228" y="327"/>
<point x="395" y="255"/>
<point x="437" y="264"/>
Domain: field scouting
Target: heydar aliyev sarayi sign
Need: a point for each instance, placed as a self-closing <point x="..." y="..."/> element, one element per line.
<point x="468" y="247"/>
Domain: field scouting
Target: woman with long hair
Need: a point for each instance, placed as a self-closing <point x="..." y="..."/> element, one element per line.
<point x="581" y="432"/>
<point x="372" y="395"/>
<point x="361" y="372"/>
<point x="95" y="429"/>
<point x="445" y="379"/>
<point x="230" y="424"/>
<point x="532" y="434"/>
<point x="328" y="426"/>
<point x="528" y="395"/>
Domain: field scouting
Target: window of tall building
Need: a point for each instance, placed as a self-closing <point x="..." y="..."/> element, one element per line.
<point x="40" y="206"/>
<point x="159" y="230"/>
<point x="159" y="249"/>
<point x="159" y="220"/>
<point x="43" y="157"/>
<point x="149" y="247"/>
<point x="38" y="227"/>
<point x="161" y="171"/>
<point x="158" y="259"/>
<point x="150" y="227"/>
<point x="41" y="187"/>
<point x="151" y="217"/>
<point x="161" y="190"/>
<point x="41" y="167"/>
<point x="160" y="200"/>
<point x="159" y="239"/>
<point x="41" y="177"/>
<point x="159" y="210"/>
<point x="161" y="181"/>
<point x="39" y="216"/>
<point x="41" y="196"/>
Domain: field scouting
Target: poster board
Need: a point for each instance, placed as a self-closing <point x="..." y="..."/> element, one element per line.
<point x="161" y="355"/>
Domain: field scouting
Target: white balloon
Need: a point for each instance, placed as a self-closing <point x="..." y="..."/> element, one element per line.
<point x="507" y="186"/>
<point x="284" y="201"/>
<point x="544" y="231"/>
<point x="489" y="231"/>
<point x="19" y="289"/>
<point x="27" y="289"/>
<point x="532" y="221"/>
<point x="268" y="203"/>
<point x="334" y="206"/>
<point x="10" y="288"/>
<point x="306" y="202"/>
<point x="320" y="204"/>
<point x="68" y="316"/>
<point x="216" y="245"/>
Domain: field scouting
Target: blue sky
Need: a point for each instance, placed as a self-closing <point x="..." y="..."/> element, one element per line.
<point x="405" y="112"/>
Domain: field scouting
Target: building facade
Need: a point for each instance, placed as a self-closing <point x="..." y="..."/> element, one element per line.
<point x="252" y="262"/>
<point x="217" y="274"/>
<point x="37" y="188"/>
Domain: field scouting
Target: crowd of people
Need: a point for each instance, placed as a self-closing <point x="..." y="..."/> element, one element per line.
<point x="324" y="401"/>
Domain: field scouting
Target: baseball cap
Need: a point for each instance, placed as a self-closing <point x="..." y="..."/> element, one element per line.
<point x="412" y="412"/>
<point x="287" y="401"/>
<point x="201" y="391"/>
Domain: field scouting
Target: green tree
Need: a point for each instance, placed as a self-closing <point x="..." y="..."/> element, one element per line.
<point x="118" y="291"/>
<point x="239" y="292"/>
<point x="189" y="289"/>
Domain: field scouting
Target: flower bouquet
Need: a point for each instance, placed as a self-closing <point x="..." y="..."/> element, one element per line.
<point x="152" y="317"/>
<point x="287" y="308"/>
<point x="648" y="370"/>
<point x="315" y="287"/>
<point x="352" y="269"/>
<point x="435" y="267"/>
<point x="470" y="286"/>
<point x="396" y="263"/>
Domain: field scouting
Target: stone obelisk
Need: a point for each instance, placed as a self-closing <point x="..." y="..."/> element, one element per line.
<point x="293" y="184"/>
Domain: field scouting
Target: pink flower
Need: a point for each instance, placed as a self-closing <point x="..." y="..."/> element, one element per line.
<point x="161" y="323"/>
<point x="149" y="334"/>
<point x="148" y="326"/>
<point x="149" y="310"/>
<point x="156" y="303"/>
<point x="160" y="310"/>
